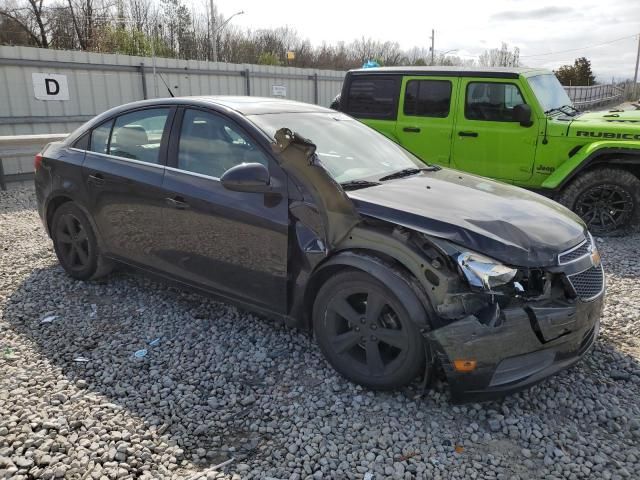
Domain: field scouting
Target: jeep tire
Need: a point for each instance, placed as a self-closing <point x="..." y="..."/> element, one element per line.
<point x="607" y="199"/>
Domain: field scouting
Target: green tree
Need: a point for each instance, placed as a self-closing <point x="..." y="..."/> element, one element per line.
<point x="579" y="73"/>
<point x="269" y="58"/>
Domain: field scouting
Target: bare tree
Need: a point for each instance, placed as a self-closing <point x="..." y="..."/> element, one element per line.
<point x="500" y="57"/>
<point x="29" y="17"/>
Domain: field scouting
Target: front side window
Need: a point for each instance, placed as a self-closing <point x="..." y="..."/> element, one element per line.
<point x="373" y="96"/>
<point x="100" y="137"/>
<point x="211" y="145"/>
<point x="427" y="98"/>
<point x="492" y="101"/>
<point x="137" y="135"/>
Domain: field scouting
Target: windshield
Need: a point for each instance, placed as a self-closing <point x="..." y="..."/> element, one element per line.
<point x="549" y="92"/>
<point x="348" y="149"/>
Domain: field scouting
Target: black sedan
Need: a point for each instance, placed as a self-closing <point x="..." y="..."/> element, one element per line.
<point x="303" y="213"/>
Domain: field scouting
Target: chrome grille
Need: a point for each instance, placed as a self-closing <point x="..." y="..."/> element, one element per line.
<point x="575" y="253"/>
<point x="588" y="284"/>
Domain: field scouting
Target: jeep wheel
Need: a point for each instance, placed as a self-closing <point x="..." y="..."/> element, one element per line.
<point x="366" y="333"/>
<point x="607" y="199"/>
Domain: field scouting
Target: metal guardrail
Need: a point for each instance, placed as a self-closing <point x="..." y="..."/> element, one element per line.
<point x="23" y="145"/>
<point x="584" y="97"/>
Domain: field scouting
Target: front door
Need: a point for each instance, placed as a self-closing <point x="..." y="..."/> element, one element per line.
<point x="486" y="138"/>
<point x="425" y="117"/>
<point x="123" y="171"/>
<point x="232" y="243"/>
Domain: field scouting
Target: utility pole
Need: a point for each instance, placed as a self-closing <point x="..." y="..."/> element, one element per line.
<point x="635" y="76"/>
<point x="433" y="36"/>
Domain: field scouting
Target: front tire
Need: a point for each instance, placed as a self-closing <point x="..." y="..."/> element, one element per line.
<point x="366" y="333"/>
<point x="607" y="199"/>
<point x="75" y="243"/>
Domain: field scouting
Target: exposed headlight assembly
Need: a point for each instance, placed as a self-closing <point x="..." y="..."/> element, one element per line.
<point x="484" y="272"/>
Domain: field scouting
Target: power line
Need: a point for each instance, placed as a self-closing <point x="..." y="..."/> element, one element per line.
<point x="580" y="48"/>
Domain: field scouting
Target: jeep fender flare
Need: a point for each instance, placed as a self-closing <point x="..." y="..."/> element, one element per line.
<point x="393" y="278"/>
<point x="629" y="154"/>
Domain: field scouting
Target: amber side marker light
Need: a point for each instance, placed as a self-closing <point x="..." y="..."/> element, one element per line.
<point x="465" y="365"/>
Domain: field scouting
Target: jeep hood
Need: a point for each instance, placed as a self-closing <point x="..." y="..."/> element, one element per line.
<point x="612" y="124"/>
<point x="507" y="223"/>
<point x="610" y="116"/>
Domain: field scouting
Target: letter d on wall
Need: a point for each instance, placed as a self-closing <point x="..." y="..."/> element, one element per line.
<point x="50" y="86"/>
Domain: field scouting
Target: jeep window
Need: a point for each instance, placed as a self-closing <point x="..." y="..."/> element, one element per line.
<point x="549" y="92"/>
<point x="373" y="96"/>
<point x="491" y="101"/>
<point x="348" y="149"/>
<point x="427" y="98"/>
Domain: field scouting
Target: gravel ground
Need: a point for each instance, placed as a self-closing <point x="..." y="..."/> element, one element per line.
<point x="223" y="384"/>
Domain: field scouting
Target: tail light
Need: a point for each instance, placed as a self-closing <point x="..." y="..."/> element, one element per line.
<point x="37" y="162"/>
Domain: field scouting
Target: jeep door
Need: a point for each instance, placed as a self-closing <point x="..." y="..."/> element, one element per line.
<point x="228" y="242"/>
<point x="426" y="116"/>
<point x="487" y="140"/>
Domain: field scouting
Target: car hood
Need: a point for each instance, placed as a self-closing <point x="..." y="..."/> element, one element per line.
<point x="507" y="223"/>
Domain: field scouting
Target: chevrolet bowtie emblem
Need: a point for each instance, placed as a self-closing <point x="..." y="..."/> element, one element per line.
<point x="595" y="258"/>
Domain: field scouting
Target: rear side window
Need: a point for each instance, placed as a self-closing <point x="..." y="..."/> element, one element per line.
<point x="427" y="98"/>
<point x="492" y="101"/>
<point x="374" y="96"/>
<point x="137" y="135"/>
<point x="100" y="137"/>
<point x="82" y="143"/>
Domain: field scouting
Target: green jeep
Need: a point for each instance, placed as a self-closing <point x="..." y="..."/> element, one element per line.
<point x="516" y="125"/>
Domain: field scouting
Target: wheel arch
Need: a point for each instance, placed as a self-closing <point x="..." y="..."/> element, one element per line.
<point x="59" y="199"/>
<point x="382" y="267"/>
<point x="595" y="156"/>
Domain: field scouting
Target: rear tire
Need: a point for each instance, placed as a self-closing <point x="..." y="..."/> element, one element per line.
<point x="366" y="333"/>
<point x="75" y="243"/>
<point x="607" y="199"/>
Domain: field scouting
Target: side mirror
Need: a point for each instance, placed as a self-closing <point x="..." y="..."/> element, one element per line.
<point x="247" y="177"/>
<point x="522" y="114"/>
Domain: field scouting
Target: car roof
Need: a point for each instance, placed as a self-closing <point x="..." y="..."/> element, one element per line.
<point x="492" y="72"/>
<point x="256" y="105"/>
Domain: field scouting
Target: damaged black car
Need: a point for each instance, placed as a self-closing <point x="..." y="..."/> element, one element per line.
<point x="302" y="213"/>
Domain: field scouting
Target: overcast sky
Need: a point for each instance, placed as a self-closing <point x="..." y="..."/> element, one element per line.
<point x="471" y="26"/>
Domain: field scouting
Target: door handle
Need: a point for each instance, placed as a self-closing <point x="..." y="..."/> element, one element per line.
<point x="411" y="129"/>
<point x="468" y="134"/>
<point x="96" y="179"/>
<point x="177" y="202"/>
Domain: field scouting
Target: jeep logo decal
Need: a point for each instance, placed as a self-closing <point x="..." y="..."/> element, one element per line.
<point x="622" y="136"/>
<point x="545" y="169"/>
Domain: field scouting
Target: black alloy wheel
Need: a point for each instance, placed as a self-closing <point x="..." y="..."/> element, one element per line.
<point x="366" y="333"/>
<point x="607" y="199"/>
<point x="75" y="243"/>
<point x="605" y="208"/>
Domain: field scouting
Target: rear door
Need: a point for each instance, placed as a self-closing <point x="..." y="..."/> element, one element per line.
<point x="426" y="116"/>
<point x="232" y="243"/>
<point x="373" y="99"/>
<point x="487" y="140"/>
<point x="123" y="172"/>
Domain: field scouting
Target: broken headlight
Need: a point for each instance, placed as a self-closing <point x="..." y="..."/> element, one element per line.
<point x="484" y="272"/>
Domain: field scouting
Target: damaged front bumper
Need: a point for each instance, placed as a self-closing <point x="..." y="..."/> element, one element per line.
<point x="531" y="342"/>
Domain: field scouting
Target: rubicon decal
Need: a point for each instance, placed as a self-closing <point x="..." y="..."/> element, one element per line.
<point x="621" y="136"/>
